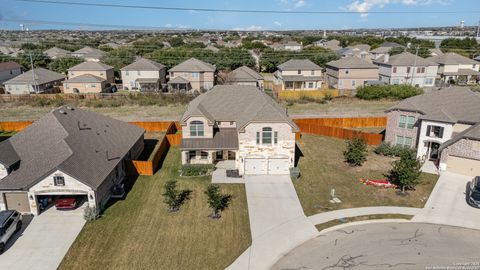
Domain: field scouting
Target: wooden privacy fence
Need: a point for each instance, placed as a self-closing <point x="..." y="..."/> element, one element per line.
<point x="299" y="94"/>
<point x="350" y="122"/>
<point x="341" y="133"/>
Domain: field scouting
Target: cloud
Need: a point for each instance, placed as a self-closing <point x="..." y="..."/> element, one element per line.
<point x="364" y="6"/>
<point x="299" y="3"/>
<point x="249" y="28"/>
<point x="168" y="25"/>
<point x="293" y="3"/>
<point x="277" y="23"/>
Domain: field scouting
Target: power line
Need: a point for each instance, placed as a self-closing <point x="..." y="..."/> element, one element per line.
<point x="242" y="10"/>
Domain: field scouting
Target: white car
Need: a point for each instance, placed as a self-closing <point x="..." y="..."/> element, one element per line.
<point x="10" y="223"/>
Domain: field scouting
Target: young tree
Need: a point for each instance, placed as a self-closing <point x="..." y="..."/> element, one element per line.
<point x="174" y="198"/>
<point x="61" y="65"/>
<point x="216" y="200"/>
<point x="406" y="171"/>
<point x="356" y="152"/>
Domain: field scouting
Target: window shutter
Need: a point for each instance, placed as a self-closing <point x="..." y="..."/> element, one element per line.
<point x="440" y="134"/>
<point x="428" y="130"/>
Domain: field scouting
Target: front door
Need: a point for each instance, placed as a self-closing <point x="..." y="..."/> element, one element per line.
<point x="219" y="155"/>
<point x="434" y="151"/>
<point x="231" y="155"/>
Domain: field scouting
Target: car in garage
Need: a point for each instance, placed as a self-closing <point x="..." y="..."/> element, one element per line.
<point x="66" y="203"/>
<point x="474" y="192"/>
<point x="10" y="223"/>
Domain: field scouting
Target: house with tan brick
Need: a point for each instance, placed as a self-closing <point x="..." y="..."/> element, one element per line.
<point x="241" y="124"/>
<point x="93" y="68"/>
<point x="298" y="75"/>
<point x="454" y="68"/>
<point x="86" y="83"/>
<point x="192" y="75"/>
<point x="444" y="127"/>
<point x="350" y="73"/>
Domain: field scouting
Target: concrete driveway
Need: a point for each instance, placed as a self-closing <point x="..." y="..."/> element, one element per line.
<point x="387" y="246"/>
<point x="448" y="203"/>
<point x="43" y="242"/>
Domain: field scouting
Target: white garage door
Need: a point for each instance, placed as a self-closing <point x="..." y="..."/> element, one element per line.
<point x="255" y="166"/>
<point x="278" y="166"/>
<point x="465" y="166"/>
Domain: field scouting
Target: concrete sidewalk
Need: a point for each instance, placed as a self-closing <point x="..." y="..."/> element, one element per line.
<point x="277" y="221"/>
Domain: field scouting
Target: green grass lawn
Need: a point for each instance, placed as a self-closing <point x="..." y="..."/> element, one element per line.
<point x="322" y="168"/>
<point x="139" y="233"/>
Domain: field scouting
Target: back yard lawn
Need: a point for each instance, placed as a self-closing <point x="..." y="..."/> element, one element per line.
<point x="139" y="233"/>
<point x="322" y="168"/>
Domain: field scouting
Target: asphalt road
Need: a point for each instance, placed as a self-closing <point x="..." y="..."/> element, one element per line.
<point x="388" y="246"/>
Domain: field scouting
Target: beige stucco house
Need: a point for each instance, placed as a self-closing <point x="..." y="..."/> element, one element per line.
<point x="444" y="127"/>
<point x="192" y="75"/>
<point x="455" y="68"/>
<point x="38" y="80"/>
<point x="68" y="152"/>
<point x="92" y="68"/>
<point x="298" y="75"/>
<point x="245" y="76"/>
<point x="239" y="123"/>
<point x="350" y="73"/>
<point x="144" y="75"/>
<point x="85" y="83"/>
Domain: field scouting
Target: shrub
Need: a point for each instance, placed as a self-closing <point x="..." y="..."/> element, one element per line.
<point x="388" y="150"/>
<point x="356" y="152"/>
<point x="90" y="213"/>
<point x="406" y="171"/>
<point x="197" y="169"/>
<point x="216" y="200"/>
<point x="174" y="198"/>
<point x="396" y="92"/>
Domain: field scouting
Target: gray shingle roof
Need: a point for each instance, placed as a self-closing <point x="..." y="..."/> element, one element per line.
<point x="56" y="52"/>
<point x="295" y="64"/>
<point x="193" y="65"/>
<point x="85" y="78"/>
<point x="351" y="62"/>
<point x="144" y="64"/>
<point x="244" y="74"/>
<point x="391" y="44"/>
<point x="82" y="144"/>
<point x="239" y="103"/>
<point x="42" y="76"/>
<point x="9" y="66"/>
<point x="452" y="59"/>
<point x="90" y="52"/>
<point x="8" y="155"/>
<point x="224" y="138"/>
<point x="452" y="105"/>
<point x="90" y="65"/>
<point x="405" y="59"/>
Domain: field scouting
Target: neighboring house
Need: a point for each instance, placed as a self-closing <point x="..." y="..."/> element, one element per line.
<point x="93" y="68"/>
<point x="407" y="68"/>
<point x="9" y="70"/>
<point x="455" y="68"/>
<point x="350" y="73"/>
<point x="67" y="152"/>
<point x="239" y="123"/>
<point x="436" y="52"/>
<point x="477" y="58"/>
<point x="384" y="49"/>
<point x="299" y="74"/>
<point x="10" y="51"/>
<point x="54" y="53"/>
<point x="38" y="80"/>
<point x="333" y="44"/>
<point x="85" y="83"/>
<point x="292" y="46"/>
<point x="144" y="75"/>
<point x="89" y="54"/>
<point x="245" y="76"/>
<point x="192" y="75"/>
<point x="355" y="52"/>
<point x="444" y="127"/>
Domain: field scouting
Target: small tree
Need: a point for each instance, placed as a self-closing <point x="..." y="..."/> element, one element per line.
<point x="216" y="200"/>
<point x="356" y="152"/>
<point x="174" y="198"/>
<point x="406" y="171"/>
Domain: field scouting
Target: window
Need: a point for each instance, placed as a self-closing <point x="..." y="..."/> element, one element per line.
<point x="192" y="154"/>
<point x="59" y="180"/>
<point x="408" y="70"/>
<point x="267" y="135"/>
<point x="196" y="129"/>
<point x="410" y="122"/>
<point x="347" y="71"/>
<point x="394" y="70"/>
<point x="403" y="141"/>
<point x="474" y="66"/>
<point x="299" y="71"/>
<point x="288" y="84"/>
<point x="275" y="137"/>
<point x="11" y="71"/>
<point x="402" y="122"/>
<point x="435" y="131"/>
<point x="204" y="155"/>
<point x="420" y="69"/>
<point x="172" y="74"/>
<point x="310" y="85"/>
<point x="139" y="73"/>
<point x="258" y="137"/>
<point x="354" y="83"/>
<point x="313" y="72"/>
<point x="195" y="75"/>
<point x="126" y="72"/>
<point x="395" y="81"/>
<point x="428" y="81"/>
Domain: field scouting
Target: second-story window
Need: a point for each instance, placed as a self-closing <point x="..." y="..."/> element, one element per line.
<point x="59" y="180"/>
<point x="196" y="129"/>
<point x="195" y="75"/>
<point x="312" y="72"/>
<point x="406" y="121"/>
<point x="420" y="69"/>
<point x="435" y="131"/>
<point x="394" y="70"/>
<point x="267" y="135"/>
<point x="408" y="70"/>
<point x="299" y="72"/>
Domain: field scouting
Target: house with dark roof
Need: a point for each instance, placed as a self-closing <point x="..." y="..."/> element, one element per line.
<point x="245" y="76"/>
<point x="89" y="54"/>
<point x="144" y="75"/>
<point x="350" y="73"/>
<point x="68" y="151"/>
<point x="298" y="74"/>
<point x="444" y="127"/>
<point x="9" y="70"/>
<point x="38" y="80"/>
<point x="454" y="68"/>
<point x="407" y="68"/>
<point x="240" y="124"/>
<point x="192" y="75"/>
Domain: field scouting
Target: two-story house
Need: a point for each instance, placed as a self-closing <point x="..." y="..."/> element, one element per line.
<point x="192" y="75"/>
<point x="144" y="75"/>
<point x="38" y="80"/>
<point x="240" y="123"/>
<point x="407" y="68"/>
<point x="455" y="68"/>
<point x="443" y="125"/>
<point x="88" y="77"/>
<point x="298" y="74"/>
<point x="245" y="76"/>
<point x="350" y="73"/>
<point x="9" y="70"/>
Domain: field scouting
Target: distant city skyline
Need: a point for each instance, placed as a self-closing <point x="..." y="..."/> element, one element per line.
<point x="366" y="14"/>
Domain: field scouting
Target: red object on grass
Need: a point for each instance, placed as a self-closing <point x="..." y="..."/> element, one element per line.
<point x="378" y="183"/>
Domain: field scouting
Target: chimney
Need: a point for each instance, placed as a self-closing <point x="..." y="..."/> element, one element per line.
<point x="386" y="57"/>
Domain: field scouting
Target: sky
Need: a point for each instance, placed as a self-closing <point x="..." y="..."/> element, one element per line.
<point x="35" y="15"/>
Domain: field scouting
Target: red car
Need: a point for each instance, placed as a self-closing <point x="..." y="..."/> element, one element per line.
<point x="66" y="203"/>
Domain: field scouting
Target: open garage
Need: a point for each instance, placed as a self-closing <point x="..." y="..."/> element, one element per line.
<point x="463" y="165"/>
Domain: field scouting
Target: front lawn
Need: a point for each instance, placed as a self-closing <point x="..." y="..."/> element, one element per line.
<point x="139" y="233"/>
<point x="322" y="168"/>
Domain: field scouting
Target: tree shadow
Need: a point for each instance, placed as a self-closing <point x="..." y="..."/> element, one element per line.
<point x="298" y="155"/>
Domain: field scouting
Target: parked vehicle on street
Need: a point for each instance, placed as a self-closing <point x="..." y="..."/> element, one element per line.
<point x="10" y="223"/>
<point x="66" y="203"/>
<point x="474" y="193"/>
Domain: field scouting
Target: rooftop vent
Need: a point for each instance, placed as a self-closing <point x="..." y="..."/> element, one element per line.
<point x="62" y="112"/>
<point x="69" y="108"/>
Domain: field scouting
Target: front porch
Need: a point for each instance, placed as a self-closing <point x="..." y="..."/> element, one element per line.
<point x="208" y="156"/>
<point x="179" y="84"/>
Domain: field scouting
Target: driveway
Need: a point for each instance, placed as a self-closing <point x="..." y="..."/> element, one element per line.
<point x="277" y="221"/>
<point x="448" y="205"/>
<point x="387" y="246"/>
<point x="43" y="242"/>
